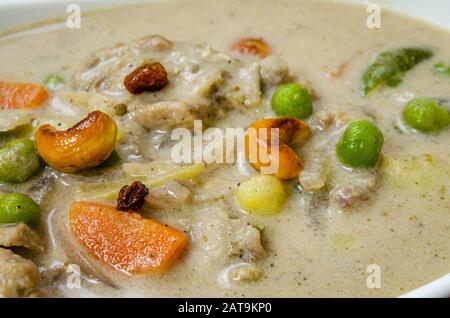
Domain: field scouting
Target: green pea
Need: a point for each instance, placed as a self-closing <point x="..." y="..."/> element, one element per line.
<point x="18" y="208"/>
<point x="292" y="100"/>
<point x="426" y="115"/>
<point x="18" y="161"/>
<point x="54" y="81"/>
<point x="360" y="145"/>
<point x="443" y="69"/>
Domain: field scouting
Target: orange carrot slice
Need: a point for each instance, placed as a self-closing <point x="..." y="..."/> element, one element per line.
<point x="125" y="240"/>
<point x="21" y="95"/>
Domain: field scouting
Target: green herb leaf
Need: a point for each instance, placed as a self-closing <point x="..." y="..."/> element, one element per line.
<point x="54" y="81"/>
<point x="443" y="69"/>
<point x="388" y="67"/>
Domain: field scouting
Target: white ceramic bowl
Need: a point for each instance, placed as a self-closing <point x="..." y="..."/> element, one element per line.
<point x="18" y="12"/>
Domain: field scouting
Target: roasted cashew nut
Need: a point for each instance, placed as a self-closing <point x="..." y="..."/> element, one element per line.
<point x="253" y="46"/>
<point x="85" y="145"/>
<point x="291" y="131"/>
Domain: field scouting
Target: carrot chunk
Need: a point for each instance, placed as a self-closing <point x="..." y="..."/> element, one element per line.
<point x="125" y="241"/>
<point x="21" y="95"/>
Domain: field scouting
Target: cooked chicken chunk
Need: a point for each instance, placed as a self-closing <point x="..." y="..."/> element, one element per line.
<point x="323" y="172"/>
<point x="330" y="119"/>
<point x="241" y="272"/>
<point x="165" y="115"/>
<point x="358" y="186"/>
<point x="201" y="80"/>
<point x="18" y="277"/>
<point x="246" y="242"/>
<point x="274" y="70"/>
<point x="20" y="235"/>
<point x="246" y="273"/>
<point x="316" y="173"/>
<point x="221" y="236"/>
<point x="171" y="194"/>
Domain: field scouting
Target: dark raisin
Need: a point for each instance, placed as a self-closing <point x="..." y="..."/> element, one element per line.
<point x="132" y="197"/>
<point x="150" y="77"/>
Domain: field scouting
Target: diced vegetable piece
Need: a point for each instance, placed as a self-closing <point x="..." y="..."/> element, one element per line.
<point x="261" y="194"/>
<point x="360" y="145"/>
<point x="54" y="81"/>
<point x="153" y="175"/>
<point x="79" y="99"/>
<point x="172" y="194"/>
<point x="18" y="208"/>
<point x="408" y="171"/>
<point x="19" y="161"/>
<point x="103" y="191"/>
<point x="13" y="118"/>
<point x="389" y="66"/>
<point x="158" y="173"/>
<point x="21" y="95"/>
<point x="14" y="124"/>
<point x="443" y="69"/>
<point x="125" y="241"/>
<point x="93" y="101"/>
<point x="292" y="100"/>
<point x="426" y="115"/>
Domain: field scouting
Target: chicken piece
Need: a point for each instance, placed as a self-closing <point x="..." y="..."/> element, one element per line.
<point x="201" y="80"/>
<point x="357" y="187"/>
<point x="246" y="242"/>
<point x="324" y="120"/>
<point x="173" y="193"/>
<point x="20" y="235"/>
<point x="117" y="62"/>
<point x="18" y="277"/>
<point x="247" y="273"/>
<point x="40" y="189"/>
<point x="323" y="172"/>
<point x="241" y="272"/>
<point x="315" y="174"/>
<point x="220" y="237"/>
<point x="165" y="115"/>
<point x="274" y="70"/>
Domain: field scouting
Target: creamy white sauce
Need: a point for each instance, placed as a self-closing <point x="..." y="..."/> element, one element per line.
<point x="404" y="230"/>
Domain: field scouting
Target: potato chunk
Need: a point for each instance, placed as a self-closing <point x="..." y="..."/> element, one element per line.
<point x="261" y="194"/>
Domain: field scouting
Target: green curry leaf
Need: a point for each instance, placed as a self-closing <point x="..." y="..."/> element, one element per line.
<point x="389" y="66"/>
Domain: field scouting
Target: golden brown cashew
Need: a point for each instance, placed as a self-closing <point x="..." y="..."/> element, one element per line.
<point x="253" y="46"/>
<point x="291" y="131"/>
<point x="85" y="145"/>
